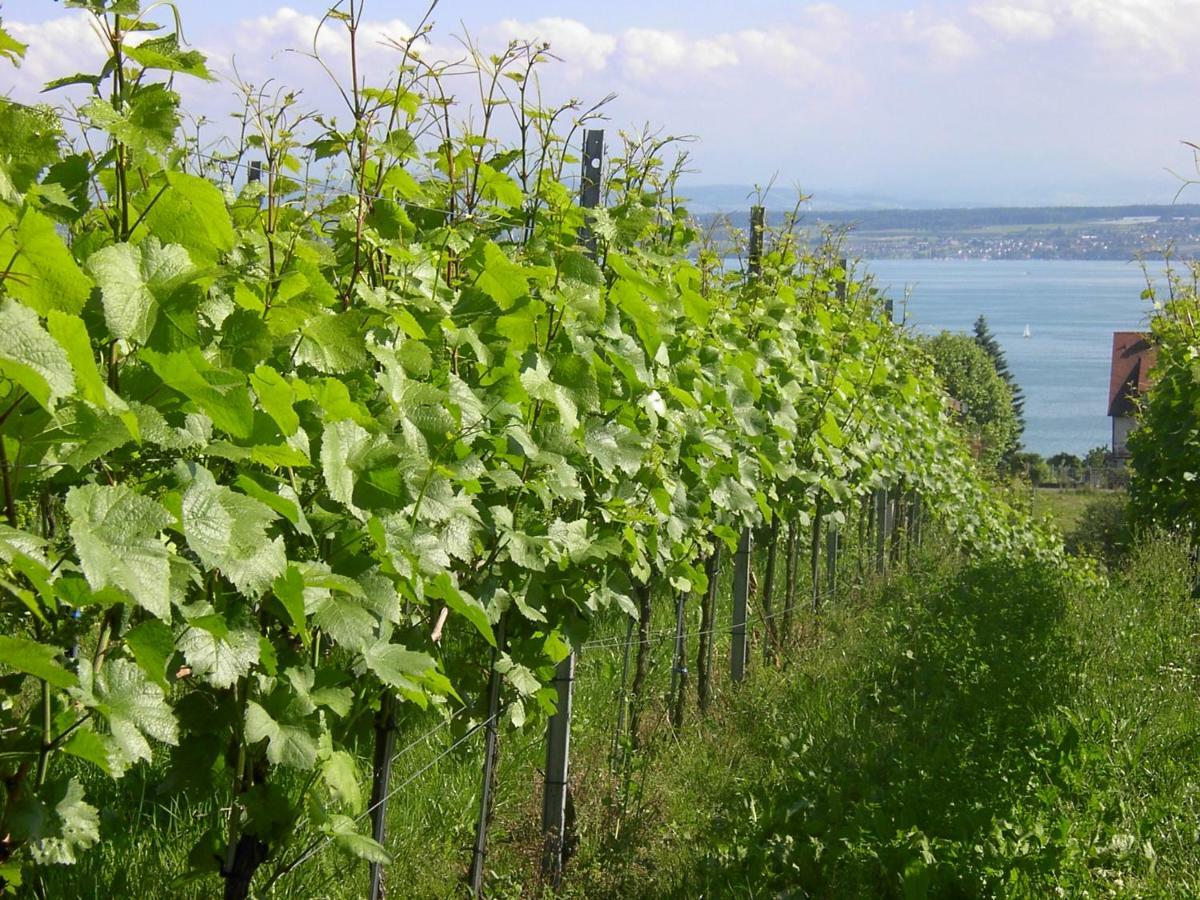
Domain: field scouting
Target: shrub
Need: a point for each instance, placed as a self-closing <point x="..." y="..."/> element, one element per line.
<point x="1103" y="530"/>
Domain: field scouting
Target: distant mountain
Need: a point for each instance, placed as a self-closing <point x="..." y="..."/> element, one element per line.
<point x="717" y="198"/>
<point x="962" y="218"/>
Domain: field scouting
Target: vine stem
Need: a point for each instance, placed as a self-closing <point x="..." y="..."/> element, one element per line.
<point x="47" y="735"/>
<point x="10" y="503"/>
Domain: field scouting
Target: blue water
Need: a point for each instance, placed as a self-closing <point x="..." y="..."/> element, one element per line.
<point x="1071" y="307"/>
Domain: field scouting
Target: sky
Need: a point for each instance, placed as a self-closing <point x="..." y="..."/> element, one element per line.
<point x="978" y="102"/>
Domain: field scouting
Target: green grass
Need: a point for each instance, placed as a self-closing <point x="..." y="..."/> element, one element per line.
<point x="994" y="732"/>
<point x="1066" y="506"/>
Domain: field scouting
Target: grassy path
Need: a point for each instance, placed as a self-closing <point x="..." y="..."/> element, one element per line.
<point x="990" y="732"/>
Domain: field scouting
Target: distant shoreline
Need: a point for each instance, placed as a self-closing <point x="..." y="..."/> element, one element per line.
<point x="1016" y="233"/>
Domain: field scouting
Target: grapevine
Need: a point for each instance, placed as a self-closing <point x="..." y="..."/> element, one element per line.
<point x="275" y="456"/>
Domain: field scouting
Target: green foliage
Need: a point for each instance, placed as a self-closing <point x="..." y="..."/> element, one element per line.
<point x="1103" y="529"/>
<point x="970" y="377"/>
<point x="987" y="340"/>
<point x="258" y="440"/>
<point x="1165" y="448"/>
<point x="1029" y="466"/>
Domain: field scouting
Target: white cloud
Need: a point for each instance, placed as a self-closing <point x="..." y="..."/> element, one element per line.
<point x="1013" y="21"/>
<point x="944" y="41"/>
<point x="646" y="52"/>
<point x="262" y="45"/>
<point x="57" y="47"/>
<point x="1166" y="28"/>
<point x="1153" y="34"/>
<point x="577" y="45"/>
<point x="827" y="17"/>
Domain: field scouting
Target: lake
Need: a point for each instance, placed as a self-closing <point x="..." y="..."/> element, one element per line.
<point x="1072" y="307"/>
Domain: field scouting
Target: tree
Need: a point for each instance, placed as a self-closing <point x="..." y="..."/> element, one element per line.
<point x="1030" y="465"/>
<point x="970" y="377"/>
<point x="1068" y="466"/>
<point x="985" y="339"/>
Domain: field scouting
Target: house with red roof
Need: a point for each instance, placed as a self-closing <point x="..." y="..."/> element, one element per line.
<point x="1133" y="356"/>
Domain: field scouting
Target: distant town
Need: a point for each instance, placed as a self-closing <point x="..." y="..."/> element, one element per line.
<point x="1115" y="232"/>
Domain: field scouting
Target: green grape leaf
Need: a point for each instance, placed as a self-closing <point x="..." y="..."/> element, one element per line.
<point x="29" y="142"/>
<point x="152" y="644"/>
<point x="537" y="384"/>
<point x="132" y="707"/>
<point x="342" y="830"/>
<point x="289" y="591"/>
<point x="217" y="654"/>
<point x="499" y="187"/>
<point x="443" y="588"/>
<point x="86" y="744"/>
<point x="42" y="273"/>
<point x="133" y="279"/>
<point x="303" y="681"/>
<point x="32" y="358"/>
<point x="291" y="735"/>
<point x="346" y="449"/>
<point x="341" y="777"/>
<point x="190" y="213"/>
<point x="56" y="821"/>
<point x="39" y="660"/>
<point x="11" y="49"/>
<point x="615" y="447"/>
<point x="519" y="676"/>
<point x="333" y="343"/>
<point x="228" y="531"/>
<point x="345" y="620"/>
<point x="275" y="396"/>
<point x="502" y="279"/>
<point x="164" y="53"/>
<point x="72" y="334"/>
<point x="116" y="534"/>
<point x="147" y="124"/>
<point x="221" y="393"/>
<point x="398" y="666"/>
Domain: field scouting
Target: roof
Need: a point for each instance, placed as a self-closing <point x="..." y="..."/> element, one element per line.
<point x="1133" y="356"/>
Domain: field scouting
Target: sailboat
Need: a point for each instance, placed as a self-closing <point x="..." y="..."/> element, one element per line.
<point x="1027" y="333"/>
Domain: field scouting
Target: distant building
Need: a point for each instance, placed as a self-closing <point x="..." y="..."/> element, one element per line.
<point x="1133" y="357"/>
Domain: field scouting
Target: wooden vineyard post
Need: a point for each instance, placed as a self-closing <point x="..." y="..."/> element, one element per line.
<point x="381" y="773"/>
<point x="589" y="184"/>
<point x="679" y="671"/>
<point x="622" y="696"/>
<point x="881" y="502"/>
<point x="558" y="730"/>
<point x="712" y="569"/>
<point x="773" y="640"/>
<point x="741" y="596"/>
<point x="757" y="224"/>
<point x="864" y="538"/>
<point x="491" y="749"/>
<point x="831" y="560"/>
<point x="840" y="287"/>
<point x="910" y="511"/>
<point x="739" y="649"/>
<point x="554" y="796"/>
<point x="815" y="558"/>
<point x="896" y="499"/>
<point x="791" y="564"/>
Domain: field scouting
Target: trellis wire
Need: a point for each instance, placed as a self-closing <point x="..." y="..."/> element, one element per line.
<point x="618" y="643"/>
<point x="321" y="843"/>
